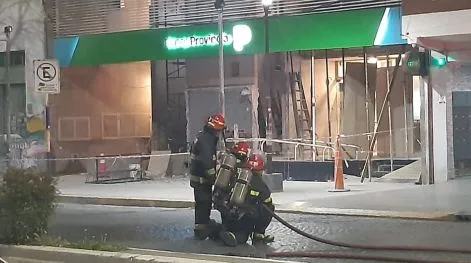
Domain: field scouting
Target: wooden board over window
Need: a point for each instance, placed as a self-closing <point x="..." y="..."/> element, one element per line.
<point x="74" y="128"/>
<point x="126" y="125"/>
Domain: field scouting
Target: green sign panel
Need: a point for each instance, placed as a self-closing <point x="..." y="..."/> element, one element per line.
<point x="158" y="44"/>
<point x="380" y="26"/>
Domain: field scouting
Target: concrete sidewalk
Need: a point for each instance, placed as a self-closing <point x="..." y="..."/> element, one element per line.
<point x="373" y="199"/>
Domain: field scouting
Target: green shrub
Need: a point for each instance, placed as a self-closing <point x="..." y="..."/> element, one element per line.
<point x="26" y="204"/>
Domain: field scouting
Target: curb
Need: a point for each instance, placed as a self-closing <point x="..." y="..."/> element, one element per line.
<point x="436" y="216"/>
<point x="124" y="202"/>
<point x="22" y="254"/>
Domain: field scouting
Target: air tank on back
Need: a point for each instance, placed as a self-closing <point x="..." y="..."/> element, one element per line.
<point x="226" y="171"/>
<point x="241" y="188"/>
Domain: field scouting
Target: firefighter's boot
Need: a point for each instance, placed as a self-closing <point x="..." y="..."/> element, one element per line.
<point x="214" y="230"/>
<point x="211" y="230"/>
<point x="228" y="238"/>
<point x="262" y="238"/>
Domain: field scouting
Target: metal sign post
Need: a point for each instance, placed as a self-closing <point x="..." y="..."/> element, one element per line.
<point x="219" y="5"/>
<point x="221" y="61"/>
<point x="7" y="30"/>
<point x="47" y="81"/>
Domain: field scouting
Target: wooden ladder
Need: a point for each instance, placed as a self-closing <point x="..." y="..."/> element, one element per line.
<point x="302" y="117"/>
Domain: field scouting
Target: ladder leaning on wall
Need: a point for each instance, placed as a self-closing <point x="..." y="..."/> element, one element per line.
<point x="302" y="117"/>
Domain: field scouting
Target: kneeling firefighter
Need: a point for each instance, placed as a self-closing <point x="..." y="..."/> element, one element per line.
<point x="247" y="216"/>
<point x="226" y="177"/>
<point x="203" y="172"/>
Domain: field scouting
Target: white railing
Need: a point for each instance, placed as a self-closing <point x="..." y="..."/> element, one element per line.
<point x="263" y="141"/>
<point x="358" y="150"/>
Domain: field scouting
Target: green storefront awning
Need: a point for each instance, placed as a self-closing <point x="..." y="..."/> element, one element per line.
<point x="380" y="26"/>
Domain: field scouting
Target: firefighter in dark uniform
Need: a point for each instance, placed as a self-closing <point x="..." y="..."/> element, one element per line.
<point x="221" y="198"/>
<point x="202" y="175"/>
<point x="252" y="219"/>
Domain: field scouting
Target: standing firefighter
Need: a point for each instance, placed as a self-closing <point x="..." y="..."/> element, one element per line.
<point x="247" y="216"/>
<point x="203" y="172"/>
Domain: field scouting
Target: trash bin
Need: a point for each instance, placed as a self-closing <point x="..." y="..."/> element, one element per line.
<point x="274" y="181"/>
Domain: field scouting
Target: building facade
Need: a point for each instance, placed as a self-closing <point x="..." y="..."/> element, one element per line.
<point x="141" y="75"/>
<point x="27" y="118"/>
<point x="444" y="30"/>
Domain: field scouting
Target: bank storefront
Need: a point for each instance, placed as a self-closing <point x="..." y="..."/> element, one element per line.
<point x="343" y="59"/>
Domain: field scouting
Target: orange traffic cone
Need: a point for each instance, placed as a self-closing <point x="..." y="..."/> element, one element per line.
<point x="338" y="169"/>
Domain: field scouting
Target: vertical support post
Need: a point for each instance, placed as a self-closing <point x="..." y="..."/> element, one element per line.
<point x="49" y="32"/>
<point x="327" y="84"/>
<point x="431" y="158"/>
<point x="341" y="97"/>
<point x="389" y="117"/>
<point x="406" y="106"/>
<point x="221" y="62"/>
<point x="313" y="107"/>
<point x="163" y="142"/>
<point x="269" y="144"/>
<point x="426" y="129"/>
<point x="8" y="30"/>
<point x="265" y="21"/>
<point x="49" y="155"/>
<point x="367" y="111"/>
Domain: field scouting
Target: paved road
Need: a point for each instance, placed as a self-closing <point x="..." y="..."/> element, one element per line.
<point x="171" y="229"/>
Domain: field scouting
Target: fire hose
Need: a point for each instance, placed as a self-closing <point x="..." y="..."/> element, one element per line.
<point x="298" y="254"/>
<point x="238" y="198"/>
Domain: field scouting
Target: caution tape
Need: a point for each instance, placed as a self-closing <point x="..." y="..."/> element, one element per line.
<point x="320" y="144"/>
<point x="110" y="157"/>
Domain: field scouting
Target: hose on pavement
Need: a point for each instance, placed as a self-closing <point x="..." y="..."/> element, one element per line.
<point x="354" y="246"/>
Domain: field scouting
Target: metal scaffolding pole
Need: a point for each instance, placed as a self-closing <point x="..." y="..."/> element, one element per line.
<point x="341" y="96"/>
<point x="313" y="106"/>
<point x="375" y="132"/>
<point x="389" y="117"/>
<point x="367" y="111"/>
<point x="327" y="85"/>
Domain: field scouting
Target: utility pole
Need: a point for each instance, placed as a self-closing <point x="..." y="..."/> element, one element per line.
<point x="49" y="33"/>
<point x="219" y="5"/>
<point x="7" y="114"/>
<point x="269" y="145"/>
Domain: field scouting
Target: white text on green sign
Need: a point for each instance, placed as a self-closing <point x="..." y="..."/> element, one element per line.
<point x="240" y="37"/>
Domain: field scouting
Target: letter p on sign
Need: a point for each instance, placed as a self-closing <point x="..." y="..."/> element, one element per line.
<point x="242" y="36"/>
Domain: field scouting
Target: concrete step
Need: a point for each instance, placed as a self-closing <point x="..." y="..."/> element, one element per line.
<point x="407" y="174"/>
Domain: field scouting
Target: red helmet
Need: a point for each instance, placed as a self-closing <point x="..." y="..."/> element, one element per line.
<point x="217" y="122"/>
<point x="241" y="148"/>
<point x="256" y="163"/>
